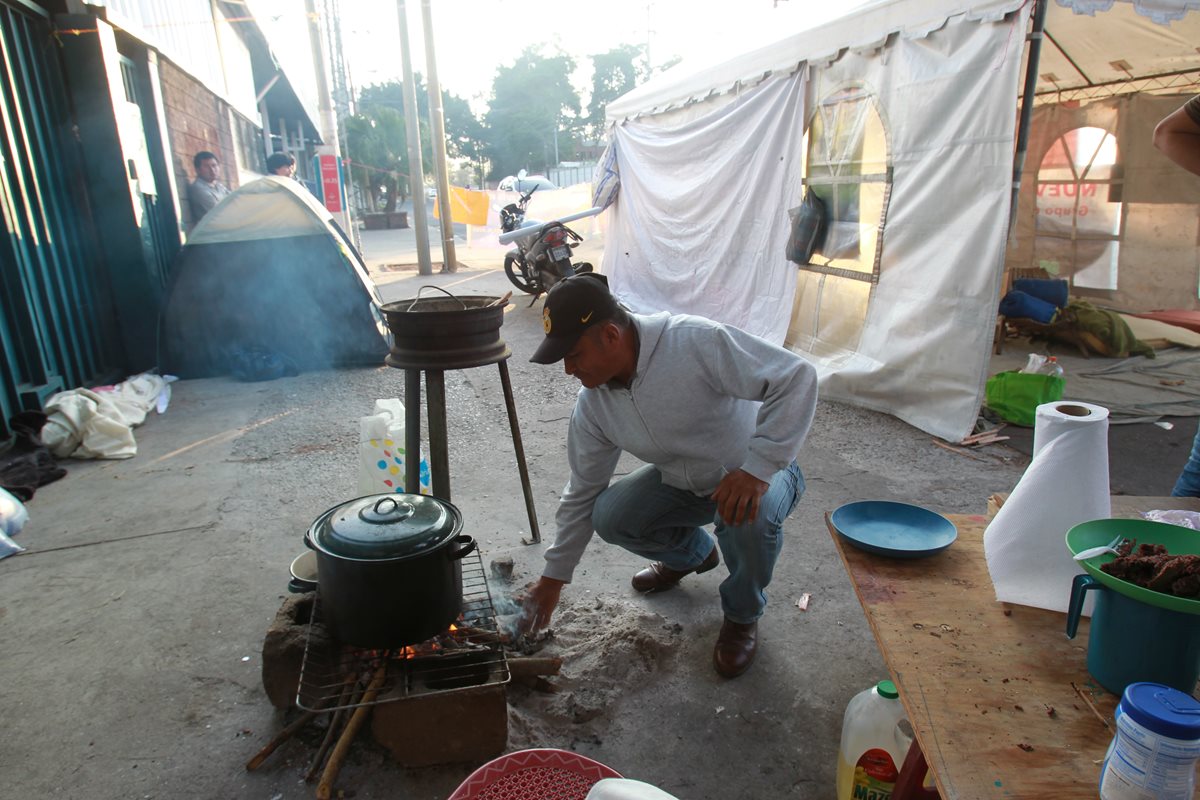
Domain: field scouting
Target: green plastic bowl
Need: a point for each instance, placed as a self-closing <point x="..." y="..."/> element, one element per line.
<point x="1178" y="540"/>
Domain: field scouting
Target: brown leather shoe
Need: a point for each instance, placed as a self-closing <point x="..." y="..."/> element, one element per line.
<point x="736" y="646"/>
<point x="658" y="577"/>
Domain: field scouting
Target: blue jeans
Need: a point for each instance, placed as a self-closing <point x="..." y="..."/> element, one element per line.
<point x="1188" y="484"/>
<point x="662" y="523"/>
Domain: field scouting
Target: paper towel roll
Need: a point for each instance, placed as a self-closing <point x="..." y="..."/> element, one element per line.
<point x="1066" y="484"/>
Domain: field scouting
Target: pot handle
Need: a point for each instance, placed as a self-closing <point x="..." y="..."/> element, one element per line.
<point x="296" y="586"/>
<point x="417" y="299"/>
<point x="468" y="545"/>
<point x="1079" y="589"/>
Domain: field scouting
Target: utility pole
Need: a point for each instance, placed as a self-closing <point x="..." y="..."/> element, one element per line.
<point x="329" y="127"/>
<point x="413" y="131"/>
<point x="436" y="117"/>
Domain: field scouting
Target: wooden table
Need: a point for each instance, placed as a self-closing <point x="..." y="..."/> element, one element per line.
<point x="987" y="685"/>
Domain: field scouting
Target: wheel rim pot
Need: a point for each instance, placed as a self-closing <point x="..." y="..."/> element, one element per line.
<point x="389" y="568"/>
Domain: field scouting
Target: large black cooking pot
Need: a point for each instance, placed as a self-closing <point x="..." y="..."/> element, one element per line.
<point x="389" y="568"/>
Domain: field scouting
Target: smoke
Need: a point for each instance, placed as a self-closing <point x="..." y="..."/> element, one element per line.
<point x="294" y="297"/>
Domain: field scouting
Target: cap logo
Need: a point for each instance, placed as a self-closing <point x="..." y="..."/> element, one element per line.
<point x="546" y="320"/>
<point x="585" y="319"/>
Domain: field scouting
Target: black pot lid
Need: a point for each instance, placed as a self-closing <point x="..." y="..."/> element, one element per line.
<point x="386" y="526"/>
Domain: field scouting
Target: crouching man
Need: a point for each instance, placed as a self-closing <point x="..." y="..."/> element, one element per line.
<point x="717" y="414"/>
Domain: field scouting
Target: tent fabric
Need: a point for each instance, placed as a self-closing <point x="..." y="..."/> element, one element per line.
<point x="267" y="271"/>
<point x="702" y="214"/>
<point x="866" y="29"/>
<point x="701" y="221"/>
<point x="272" y="207"/>
<point x="1160" y="11"/>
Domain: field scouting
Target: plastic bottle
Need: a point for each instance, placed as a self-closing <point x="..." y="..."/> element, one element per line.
<point x="1052" y="367"/>
<point x="1153" y="754"/>
<point x="873" y="744"/>
<point x="1034" y="365"/>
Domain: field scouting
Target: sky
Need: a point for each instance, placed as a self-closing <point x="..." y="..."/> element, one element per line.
<point x="472" y="38"/>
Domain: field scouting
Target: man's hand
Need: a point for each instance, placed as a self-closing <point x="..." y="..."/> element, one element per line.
<point x="538" y="604"/>
<point x="737" y="497"/>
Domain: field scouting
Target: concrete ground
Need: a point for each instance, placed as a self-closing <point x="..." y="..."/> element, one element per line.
<point x="132" y="626"/>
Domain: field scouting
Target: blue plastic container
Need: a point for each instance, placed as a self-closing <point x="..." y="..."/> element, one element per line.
<point x="1131" y="641"/>
<point x="1051" y="290"/>
<point x="1153" y="754"/>
<point x="1021" y="305"/>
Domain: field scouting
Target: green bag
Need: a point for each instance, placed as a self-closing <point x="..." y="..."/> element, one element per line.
<point x="1015" y="396"/>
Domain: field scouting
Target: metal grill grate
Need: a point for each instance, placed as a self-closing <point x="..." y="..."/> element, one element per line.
<point x="470" y="655"/>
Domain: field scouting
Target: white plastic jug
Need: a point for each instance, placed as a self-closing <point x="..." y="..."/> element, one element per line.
<point x="873" y="744"/>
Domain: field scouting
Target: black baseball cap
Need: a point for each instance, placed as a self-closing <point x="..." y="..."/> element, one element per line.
<point x="572" y="306"/>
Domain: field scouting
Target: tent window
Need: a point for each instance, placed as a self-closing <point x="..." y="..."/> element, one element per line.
<point x="847" y="168"/>
<point x="1079" y="208"/>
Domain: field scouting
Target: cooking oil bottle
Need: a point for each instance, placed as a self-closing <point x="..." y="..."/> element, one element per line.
<point x="873" y="744"/>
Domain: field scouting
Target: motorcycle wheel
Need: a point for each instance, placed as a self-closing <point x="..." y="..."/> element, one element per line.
<point x="516" y="277"/>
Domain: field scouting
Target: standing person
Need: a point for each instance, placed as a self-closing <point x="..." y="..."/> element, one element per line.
<point x="1178" y="137"/>
<point x="282" y="164"/>
<point x="717" y="414"/>
<point x="206" y="191"/>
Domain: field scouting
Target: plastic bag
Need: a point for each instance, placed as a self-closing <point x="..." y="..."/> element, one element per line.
<point x="808" y="229"/>
<point x="1184" y="519"/>
<point x="1015" y="396"/>
<point x="13" y="517"/>
<point x="381" y="456"/>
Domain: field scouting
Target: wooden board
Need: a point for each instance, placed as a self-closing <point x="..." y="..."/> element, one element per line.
<point x="987" y="685"/>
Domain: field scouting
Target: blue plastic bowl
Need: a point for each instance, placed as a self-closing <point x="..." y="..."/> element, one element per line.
<point x="898" y="530"/>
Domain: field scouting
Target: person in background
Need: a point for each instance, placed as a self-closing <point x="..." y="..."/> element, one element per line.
<point x="206" y="191"/>
<point x="1178" y="137"/>
<point x="717" y="415"/>
<point x="281" y="164"/>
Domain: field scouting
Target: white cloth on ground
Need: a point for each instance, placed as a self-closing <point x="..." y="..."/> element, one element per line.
<point x="85" y="423"/>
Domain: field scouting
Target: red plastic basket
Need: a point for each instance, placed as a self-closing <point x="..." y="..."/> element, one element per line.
<point x="538" y="774"/>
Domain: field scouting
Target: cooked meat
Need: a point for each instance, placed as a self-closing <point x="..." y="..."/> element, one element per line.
<point x="1152" y="567"/>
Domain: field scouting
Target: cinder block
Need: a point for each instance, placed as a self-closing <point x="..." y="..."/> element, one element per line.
<point x="468" y="725"/>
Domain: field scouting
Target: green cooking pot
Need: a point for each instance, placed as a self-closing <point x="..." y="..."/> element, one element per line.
<point x="1177" y="539"/>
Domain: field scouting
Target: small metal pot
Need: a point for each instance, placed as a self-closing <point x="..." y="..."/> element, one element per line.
<point x="389" y="568"/>
<point x="304" y="573"/>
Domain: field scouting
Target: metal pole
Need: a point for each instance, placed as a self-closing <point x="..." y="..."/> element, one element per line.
<point x="412" y="431"/>
<point x="439" y="453"/>
<point x="510" y="404"/>
<point x="413" y="132"/>
<point x="1027" y="94"/>
<point x="436" y="117"/>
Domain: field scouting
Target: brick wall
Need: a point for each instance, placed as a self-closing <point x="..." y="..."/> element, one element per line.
<point x="196" y="120"/>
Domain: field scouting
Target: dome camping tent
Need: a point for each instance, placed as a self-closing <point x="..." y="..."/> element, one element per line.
<point x="268" y="277"/>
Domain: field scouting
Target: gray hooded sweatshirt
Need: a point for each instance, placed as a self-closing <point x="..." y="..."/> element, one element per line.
<point x="706" y="399"/>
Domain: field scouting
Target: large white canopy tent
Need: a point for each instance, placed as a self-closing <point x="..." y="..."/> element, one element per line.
<point x="903" y="117"/>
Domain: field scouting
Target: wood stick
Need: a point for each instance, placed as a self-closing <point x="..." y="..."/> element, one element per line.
<point x="522" y="667"/>
<point x="279" y="739"/>
<point x="958" y="450"/>
<point x="325" y="787"/>
<point x="1090" y="705"/>
<point x="349" y="691"/>
<point x="981" y="434"/>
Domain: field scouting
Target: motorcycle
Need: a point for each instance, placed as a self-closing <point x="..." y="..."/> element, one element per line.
<point x="542" y="256"/>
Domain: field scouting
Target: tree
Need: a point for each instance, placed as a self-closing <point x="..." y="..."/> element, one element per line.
<point x="531" y="102"/>
<point x="613" y="74"/>
<point x="377" y="140"/>
<point x="377" y="146"/>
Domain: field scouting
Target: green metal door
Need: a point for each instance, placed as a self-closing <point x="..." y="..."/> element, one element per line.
<point x="57" y="329"/>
